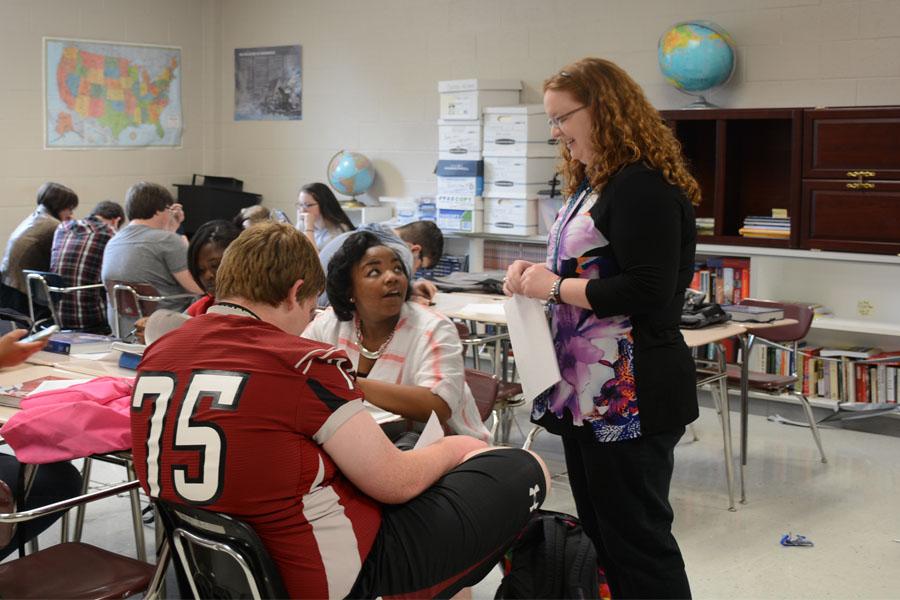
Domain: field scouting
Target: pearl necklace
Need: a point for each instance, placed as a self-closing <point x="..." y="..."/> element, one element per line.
<point x="368" y="353"/>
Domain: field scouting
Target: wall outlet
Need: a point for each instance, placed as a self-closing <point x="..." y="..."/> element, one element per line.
<point x="864" y="308"/>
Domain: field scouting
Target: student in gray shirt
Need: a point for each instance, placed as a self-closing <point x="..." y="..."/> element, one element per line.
<point x="148" y="250"/>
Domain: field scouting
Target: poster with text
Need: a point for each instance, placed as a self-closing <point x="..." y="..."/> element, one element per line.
<point x="268" y="84"/>
<point x="111" y="95"/>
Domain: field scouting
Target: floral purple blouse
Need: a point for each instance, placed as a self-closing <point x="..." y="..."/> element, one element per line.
<point x="595" y="354"/>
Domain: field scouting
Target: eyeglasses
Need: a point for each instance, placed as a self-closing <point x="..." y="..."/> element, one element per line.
<point x="558" y="121"/>
<point x="307" y="205"/>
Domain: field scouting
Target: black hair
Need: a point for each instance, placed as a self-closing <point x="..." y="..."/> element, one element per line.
<point x="56" y="197"/>
<point x="143" y="200"/>
<point x="339" y="283"/>
<point x="329" y="207"/>
<point x="219" y="232"/>
<point x="108" y="210"/>
<point x="427" y="235"/>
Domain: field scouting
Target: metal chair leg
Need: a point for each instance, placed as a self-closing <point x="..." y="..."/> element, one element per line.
<point x="529" y="439"/>
<point x="725" y="417"/>
<point x="812" y="425"/>
<point x="79" y="511"/>
<point x="136" y="515"/>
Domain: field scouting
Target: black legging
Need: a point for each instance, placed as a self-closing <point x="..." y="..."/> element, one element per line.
<point x="52" y="483"/>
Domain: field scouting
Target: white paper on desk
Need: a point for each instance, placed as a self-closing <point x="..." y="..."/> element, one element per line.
<point x="487" y="309"/>
<point x="56" y="384"/>
<point x="530" y="336"/>
<point x="432" y="432"/>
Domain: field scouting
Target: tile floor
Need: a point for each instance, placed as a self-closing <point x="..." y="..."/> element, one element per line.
<point x="849" y="507"/>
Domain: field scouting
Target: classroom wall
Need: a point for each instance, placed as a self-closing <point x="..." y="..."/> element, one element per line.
<point x="370" y="69"/>
<point x="100" y="174"/>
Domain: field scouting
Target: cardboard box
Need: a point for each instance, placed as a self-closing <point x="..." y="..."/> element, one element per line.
<point x="459" y="140"/>
<point x="518" y="131"/>
<point x="515" y="177"/>
<point x="464" y="214"/>
<point x="511" y="216"/>
<point x="460" y="177"/>
<point x="464" y="99"/>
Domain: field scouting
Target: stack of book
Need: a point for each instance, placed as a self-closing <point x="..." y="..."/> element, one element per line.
<point x="724" y="280"/>
<point x="705" y="225"/>
<point x="766" y="227"/>
<point x="857" y="374"/>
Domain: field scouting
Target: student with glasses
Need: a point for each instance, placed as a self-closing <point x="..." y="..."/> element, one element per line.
<point x="319" y="214"/>
<point x="620" y="256"/>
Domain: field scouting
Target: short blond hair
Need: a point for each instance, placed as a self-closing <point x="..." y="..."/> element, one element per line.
<point x="263" y="263"/>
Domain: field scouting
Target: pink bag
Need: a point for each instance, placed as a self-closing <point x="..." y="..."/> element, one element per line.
<point x="87" y="418"/>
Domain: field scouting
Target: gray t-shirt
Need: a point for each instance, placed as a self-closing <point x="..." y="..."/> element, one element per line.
<point x="141" y="254"/>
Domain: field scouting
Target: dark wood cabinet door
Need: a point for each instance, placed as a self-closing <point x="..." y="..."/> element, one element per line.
<point x="837" y="141"/>
<point x="837" y="218"/>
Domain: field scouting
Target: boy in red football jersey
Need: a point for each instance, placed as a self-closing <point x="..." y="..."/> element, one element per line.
<point x="235" y="413"/>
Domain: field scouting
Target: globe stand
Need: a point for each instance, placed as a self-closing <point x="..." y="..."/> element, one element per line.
<point x="701" y="102"/>
<point x="352" y="203"/>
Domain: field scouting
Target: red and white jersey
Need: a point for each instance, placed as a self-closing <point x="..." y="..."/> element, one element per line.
<point x="229" y="413"/>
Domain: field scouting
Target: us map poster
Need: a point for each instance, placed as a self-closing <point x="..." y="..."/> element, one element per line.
<point x="111" y="95"/>
<point x="268" y="84"/>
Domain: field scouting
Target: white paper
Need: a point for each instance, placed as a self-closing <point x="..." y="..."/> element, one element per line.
<point x="432" y="432"/>
<point x="487" y="309"/>
<point x="56" y="384"/>
<point x="530" y="336"/>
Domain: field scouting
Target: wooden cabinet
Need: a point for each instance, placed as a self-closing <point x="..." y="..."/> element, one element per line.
<point x="836" y="171"/>
<point x="851" y="180"/>
<point x="747" y="162"/>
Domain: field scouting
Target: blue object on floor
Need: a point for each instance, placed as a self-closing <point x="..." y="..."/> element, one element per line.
<point x="797" y="540"/>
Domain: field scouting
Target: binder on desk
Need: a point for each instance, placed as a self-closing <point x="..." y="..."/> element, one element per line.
<point x="215" y="198"/>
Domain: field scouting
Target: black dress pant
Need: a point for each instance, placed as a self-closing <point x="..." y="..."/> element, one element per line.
<point x="621" y="491"/>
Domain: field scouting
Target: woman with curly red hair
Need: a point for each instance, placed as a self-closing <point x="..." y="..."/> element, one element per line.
<point x="620" y="256"/>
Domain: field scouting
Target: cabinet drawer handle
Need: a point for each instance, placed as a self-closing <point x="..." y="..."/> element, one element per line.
<point x="860" y="185"/>
<point x="860" y="173"/>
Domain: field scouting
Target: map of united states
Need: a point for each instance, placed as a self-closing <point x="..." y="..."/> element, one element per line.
<point x="114" y="91"/>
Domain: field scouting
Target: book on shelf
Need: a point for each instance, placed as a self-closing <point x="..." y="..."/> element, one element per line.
<point x="754" y="314"/>
<point x="74" y="342"/>
<point x="854" y="352"/>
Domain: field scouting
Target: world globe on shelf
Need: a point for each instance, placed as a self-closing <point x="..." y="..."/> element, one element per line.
<point x="696" y="57"/>
<point x="350" y="173"/>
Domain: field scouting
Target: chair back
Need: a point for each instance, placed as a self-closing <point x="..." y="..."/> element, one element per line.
<point x="801" y="313"/>
<point x="219" y="556"/>
<point x="484" y="388"/>
<point x="41" y="298"/>
<point x="134" y="300"/>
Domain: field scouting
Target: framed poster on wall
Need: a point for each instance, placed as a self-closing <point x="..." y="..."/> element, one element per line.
<point x="268" y="84"/>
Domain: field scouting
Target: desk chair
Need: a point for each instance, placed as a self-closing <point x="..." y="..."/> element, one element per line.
<point x="136" y="300"/>
<point x="44" y="291"/>
<point x="785" y="337"/>
<point x="73" y="569"/>
<point x="218" y="556"/>
<point x="484" y="388"/>
<point x="509" y="394"/>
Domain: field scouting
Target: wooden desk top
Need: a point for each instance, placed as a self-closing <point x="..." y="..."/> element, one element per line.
<point x="484" y="308"/>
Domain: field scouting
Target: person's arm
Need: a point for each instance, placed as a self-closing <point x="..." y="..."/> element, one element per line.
<point x="13" y="352"/>
<point x="645" y="236"/>
<point x="186" y="281"/>
<point x="423" y="288"/>
<point x="410" y="401"/>
<point x="373" y="464"/>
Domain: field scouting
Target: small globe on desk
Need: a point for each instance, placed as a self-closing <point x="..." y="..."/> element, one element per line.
<point x="351" y="174"/>
<point x="696" y="57"/>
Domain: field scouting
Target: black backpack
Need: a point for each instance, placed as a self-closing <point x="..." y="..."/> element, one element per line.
<point x="552" y="558"/>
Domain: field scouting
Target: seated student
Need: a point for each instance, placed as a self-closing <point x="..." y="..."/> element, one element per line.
<point x="409" y="356"/>
<point x="53" y="482"/>
<point x="251" y="215"/>
<point x="242" y="416"/>
<point x="148" y="250"/>
<point x="420" y="245"/>
<point x="319" y="214"/>
<point x="204" y="257"/>
<point x="30" y="244"/>
<point x="77" y="256"/>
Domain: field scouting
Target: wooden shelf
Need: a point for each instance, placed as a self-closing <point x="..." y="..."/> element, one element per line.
<point x="726" y="249"/>
<point x="855" y="326"/>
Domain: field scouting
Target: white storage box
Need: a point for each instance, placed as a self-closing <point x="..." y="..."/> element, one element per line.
<point x="460" y="213"/>
<point x="459" y="140"/>
<point x="512" y="216"/>
<point x="510" y="177"/>
<point x="464" y="99"/>
<point x="517" y="131"/>
<point x="460" y="177"/>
